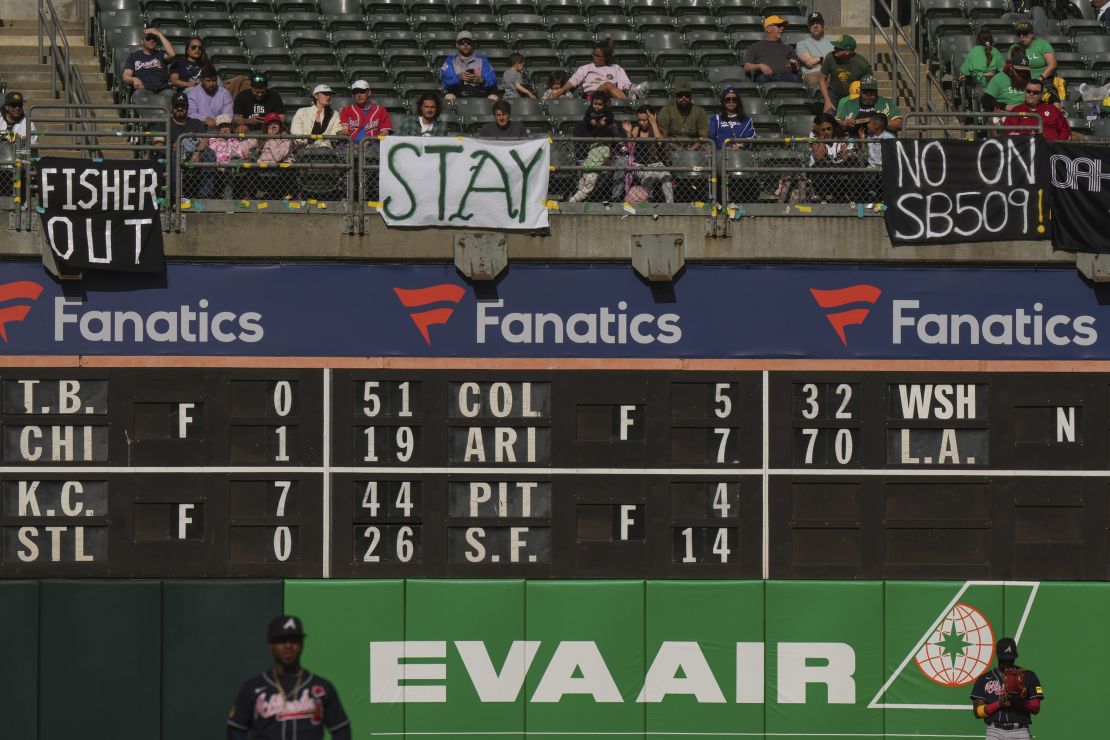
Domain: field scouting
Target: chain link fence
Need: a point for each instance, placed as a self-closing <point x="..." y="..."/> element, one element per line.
<point x="15" y="160"/>
<point x="276" y="172"/>
<point x="635" y="172"/>
<point x="801" y="171"/>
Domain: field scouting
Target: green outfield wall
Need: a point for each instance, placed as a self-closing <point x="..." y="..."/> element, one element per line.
<point x="555" y="660"/>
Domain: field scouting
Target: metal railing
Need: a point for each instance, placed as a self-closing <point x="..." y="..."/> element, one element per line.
<point x="965" y="124"/>
<point x="914" y="52"/>
<point x="56" y="52"/>
<point x="15" y="161"/>
<point x="675" y="174"/>
<point x="800" y="171"/>
<point x="283" y="173"/>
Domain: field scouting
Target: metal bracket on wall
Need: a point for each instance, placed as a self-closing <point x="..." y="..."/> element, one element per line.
<point x="658" y="257"/>
<point x="481" y="255"/>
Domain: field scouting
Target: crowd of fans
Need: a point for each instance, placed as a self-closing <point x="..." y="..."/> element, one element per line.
<point x="845" y="102"/>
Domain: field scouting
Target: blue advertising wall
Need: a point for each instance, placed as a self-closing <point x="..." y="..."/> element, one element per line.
<point x="543" y="310"/>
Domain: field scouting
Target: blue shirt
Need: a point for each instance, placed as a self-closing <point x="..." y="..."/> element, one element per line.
<point x="723" y="127"/>
<point x="149" y="68"/>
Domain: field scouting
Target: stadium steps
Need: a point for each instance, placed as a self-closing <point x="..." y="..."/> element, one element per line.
<point x="884" y="69"/>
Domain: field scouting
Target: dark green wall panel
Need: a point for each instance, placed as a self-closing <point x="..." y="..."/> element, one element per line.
<point x="100" y="660"/>
<point x="214" y="637"/>
<point x="19" y="681"/>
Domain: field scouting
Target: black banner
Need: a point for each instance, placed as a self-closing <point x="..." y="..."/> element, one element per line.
<point x="1080" y="176"/>
<point x="946" y="192"/>
<point x="101" y="215"/>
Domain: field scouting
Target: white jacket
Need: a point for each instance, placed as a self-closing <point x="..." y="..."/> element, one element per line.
<point x="305" y="118"/>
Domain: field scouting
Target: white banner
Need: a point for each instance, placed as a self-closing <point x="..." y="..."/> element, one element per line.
<point x="451" y="181"/>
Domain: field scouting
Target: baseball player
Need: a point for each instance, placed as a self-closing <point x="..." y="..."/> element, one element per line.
<point x="287" y="702"/>
<point x="1006" y="696"/>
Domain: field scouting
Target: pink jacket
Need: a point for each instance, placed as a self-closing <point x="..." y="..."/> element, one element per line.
<point x="229" y="149"/>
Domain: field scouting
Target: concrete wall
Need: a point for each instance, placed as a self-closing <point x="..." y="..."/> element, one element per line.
<point x="268" y="236"/>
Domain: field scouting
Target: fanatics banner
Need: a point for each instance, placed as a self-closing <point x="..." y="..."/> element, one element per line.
<point x="101" y="215"/>
<point x="945" y="192"/>
<point x="1080" y="176"/>
<point x="450" y="181"/>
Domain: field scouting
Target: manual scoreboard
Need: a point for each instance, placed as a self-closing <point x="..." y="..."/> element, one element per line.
<point x="553" y="473"/>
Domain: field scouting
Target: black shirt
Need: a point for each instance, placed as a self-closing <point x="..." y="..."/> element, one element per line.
<point x="299" y="710"/>
<point x="247" y="105"/>
<point x="187" y="70"/>
<point x="989" y="688"/>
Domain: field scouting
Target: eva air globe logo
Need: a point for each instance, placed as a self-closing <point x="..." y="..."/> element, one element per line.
<point x="959" y="650"/>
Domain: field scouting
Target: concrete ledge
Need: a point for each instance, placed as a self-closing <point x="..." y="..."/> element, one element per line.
<point x="272" y="236"/>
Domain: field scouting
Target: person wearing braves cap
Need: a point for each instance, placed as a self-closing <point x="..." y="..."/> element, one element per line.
<point x="318" y="119"/>
<point x="813" y="50"/>
<point x="287" y="702"/>
<point x="364" y="119"/>
<point x="771" y="60"/>
<point x="839" y="70"/>
<point x="14" y="123"/>
<point x="251" y="106"/>
<point x="1007" y="696"/>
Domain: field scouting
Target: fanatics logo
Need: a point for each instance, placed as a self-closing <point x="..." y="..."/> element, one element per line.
<point x="420" y="297"/>
<point x="24" y="290"/>
<point x="844" y="297"/>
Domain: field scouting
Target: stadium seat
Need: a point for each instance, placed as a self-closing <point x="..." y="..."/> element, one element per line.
<point x="479" y="23"/>
<point x="648" y="23"/>
<point x="414" y="7"/>
<point x="331" y="8"/>
<point x="592" y="8"/>
<point x="568" y="24"/>
<point x="754" y="105"/>
<point x="689" y="24"/>
<point x="930" y="10"/>
<point x="158" y="19"/>
<point x="1100" y="129"/>
<point x="979" y="9"/>
<point x="781" y="7"/>
<point x="646" y="7"/>
<point x="388" y="22"/>
<point x="514" y="22"/>
<point x="285" y="7"/>
<point x="309" y="38"/>
<point x="262" y="38"/>
<point x="504" y="7"/>
<point x="567" y="107"/>
<point x="774" y="90"/>
<point x="560" y="8"/>
<point x="307" y="56"/>
<point x="722" y="74"/>
<point x="238" y="6"/>
<point x="225" y="55"/>
<point x="299" y="21"/>
<point x="398" y="40"/>
<point x="798" y="124"/>
<point x="1071" y="61"/>
<point x="603" y="24"/>
<point x="371" y="8"/>
<point x="706" y="58"/>
<point x="256" y="19"/>
<point x="432" y="22"/>
<point x="707" y="39"/>
<point x="538" y="75"/>
<point x="1077" y="27"/>
<point x="263" y="57"/>
<point x="767" y="124"/>
<point x="102" y="5"/>
<point x="339" y="22"/>
<point x="743" y="39"/>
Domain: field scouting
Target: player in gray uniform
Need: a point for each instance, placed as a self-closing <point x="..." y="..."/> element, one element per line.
<point x="1007" y="696"/>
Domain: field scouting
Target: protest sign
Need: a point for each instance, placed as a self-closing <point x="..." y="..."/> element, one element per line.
<point x="944" y="192"/>
<point x="1080" y="177"/>
<point x="101" y="215"/>
<point x="449" y="181"/>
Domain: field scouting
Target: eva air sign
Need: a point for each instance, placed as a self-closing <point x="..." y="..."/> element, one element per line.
<point x="465" y="183"/>
<point x="671" y="659"/>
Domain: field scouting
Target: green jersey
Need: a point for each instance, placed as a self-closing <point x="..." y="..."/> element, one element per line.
<point x="1002" y="89"/>
<point x="1035" y="53"/>
<point x="849" y="108"/>
<point x="976" y="64"/>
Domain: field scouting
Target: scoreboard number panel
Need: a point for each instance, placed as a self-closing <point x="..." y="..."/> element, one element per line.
<point x="553" y="473"/>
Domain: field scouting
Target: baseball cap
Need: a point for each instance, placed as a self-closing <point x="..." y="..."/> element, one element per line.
<point x="468" y="35"/>
<point x="360" y="85"/>
<point x="271" y="117"/>
<point x="815" y="18"/>
<point x="13" y="98"/>
<point x="774" y="20"/>
<point x="260" y="80"/>
<point x="868" y="82"/>
<point x="683" y="87"/>
<point x="321" y="89"/>
<point x="1023" y="27"/>
<point x="179" y="99"/>
<point x="284" y="627"/>
<point x="223" y="120"/>
<point x="844" y="42"/>
<point x="1019" y="60"/>
<point x="1007" y="649"/>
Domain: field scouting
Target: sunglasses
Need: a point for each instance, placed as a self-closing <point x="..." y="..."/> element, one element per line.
<point x="150" y="37"/>
<point x="196" y="47"/>
<point x="732" y="100"/>
<point x="682" y="95"/>
<point x="464" y="42"/>
<point x="15" y="105"/>
<point x="1029" y="91"/>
